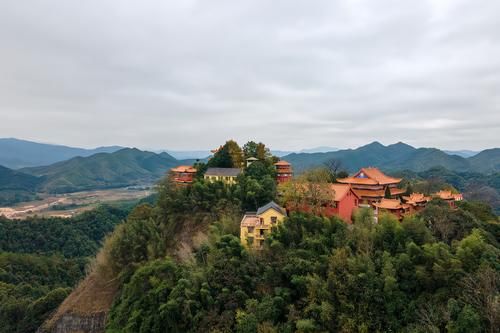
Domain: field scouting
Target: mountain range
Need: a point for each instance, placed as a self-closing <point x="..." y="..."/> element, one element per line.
<point x="131" y="166"/>
<point x="16" y="154"/>
<point x="399" y="156"/>
<point x="125" y="167"/>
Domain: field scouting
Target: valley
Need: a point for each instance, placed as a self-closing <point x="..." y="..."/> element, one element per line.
<point x="70" y="204"/>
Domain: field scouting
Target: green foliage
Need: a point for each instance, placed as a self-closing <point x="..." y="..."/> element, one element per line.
<point x="79" y="236"/>
<point x="319" y="275"/>
<point x="229" y="156"/>
<point x="42" y="259"/>
<point x="32" y="286"/>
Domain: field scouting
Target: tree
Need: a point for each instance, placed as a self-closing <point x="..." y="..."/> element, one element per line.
<point x="387" y="193"/>
<point x="229" y="155"/>
<point x="334" y="166"/>
<point x="311" y="191"/>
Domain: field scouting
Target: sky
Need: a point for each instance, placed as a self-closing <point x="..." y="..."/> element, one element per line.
<point x="293" y="74"/>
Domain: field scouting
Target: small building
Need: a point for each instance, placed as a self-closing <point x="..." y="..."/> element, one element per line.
<point x="370" y="185"/>
<point x="284" y="171"/>
<point x="250" y="160"/>
<point x="449" y="197"/>
<point x="417" y="201"/>
<point x="225" y="175"/>
<point x="393" y="206"/>
<point x="256" y="226"/>
<point x="183" y="174"/>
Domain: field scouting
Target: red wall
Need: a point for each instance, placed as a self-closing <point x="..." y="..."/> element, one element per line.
<point x="344" y="208"/>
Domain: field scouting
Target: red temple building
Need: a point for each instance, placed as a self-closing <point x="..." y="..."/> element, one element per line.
<point x="417" y="201"/>
<point x="370" y="185"/>
<point x="343" y="203"/>
<point x="449" y="197"/>
<point x="393" y="206"/>
<point x="284" y="171"/>
<point x="183" y="174"/>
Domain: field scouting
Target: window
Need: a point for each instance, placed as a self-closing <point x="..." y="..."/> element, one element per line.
<point x="274" y="219"/>
<point x="250" y="230"/>
<point x="262" y="232"/>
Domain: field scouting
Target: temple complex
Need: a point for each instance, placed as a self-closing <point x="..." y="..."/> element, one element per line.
<point x="371" y="184"/>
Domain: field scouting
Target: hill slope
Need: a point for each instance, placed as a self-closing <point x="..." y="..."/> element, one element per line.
<point x="122" y="168"/>
<point x="16" y="186"/>
<point x="486" y="160"/>
<point x="399" y="156"/>
<point x="17" y="154"/>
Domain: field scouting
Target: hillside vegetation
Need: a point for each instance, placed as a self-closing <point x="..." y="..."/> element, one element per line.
<point x="42" y="259"/>
<point x="434" y="272"/>
<point x="17" y="186"/>
<point x="122" y="168"/>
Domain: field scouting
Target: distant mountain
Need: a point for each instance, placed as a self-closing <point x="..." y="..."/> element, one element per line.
<point x="462" y="153"/>
<point x="486" y="160"/>
<point x="281" y="153"/>
<point x="126" y="167"/>
<point x="187" y="154"/>
<point x="399" y="156"/>
<point x="15" y="180"/>
<point x="16" y="154"/>
<point x="321" y="149"/>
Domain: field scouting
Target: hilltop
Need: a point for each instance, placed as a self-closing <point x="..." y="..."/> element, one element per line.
<point x="126" y="167"/>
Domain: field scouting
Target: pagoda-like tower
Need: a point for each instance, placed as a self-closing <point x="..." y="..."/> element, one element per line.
<point x="284" y="171"/>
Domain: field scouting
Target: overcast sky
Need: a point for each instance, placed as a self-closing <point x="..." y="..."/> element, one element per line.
<point x="293" y="74"/>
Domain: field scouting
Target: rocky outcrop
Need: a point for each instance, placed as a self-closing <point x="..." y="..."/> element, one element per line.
<point x="75" y="323"/>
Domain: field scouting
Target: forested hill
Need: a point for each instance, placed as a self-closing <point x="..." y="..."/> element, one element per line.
<point x="42" y="259"/>
<point x="14" y="180"/>
<point x="128" y="166"/>
<point x="16" y="186"/>
<point x="399" y="156"/>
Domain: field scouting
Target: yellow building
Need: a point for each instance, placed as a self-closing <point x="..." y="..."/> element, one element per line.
<point x="256" y="226"/>
<point x="225" y="175"/>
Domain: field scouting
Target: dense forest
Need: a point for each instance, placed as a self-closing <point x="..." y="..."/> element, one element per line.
<point x="436" y="272"/>
<point x="42" y="259"/>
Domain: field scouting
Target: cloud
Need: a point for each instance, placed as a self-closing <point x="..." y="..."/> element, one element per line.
<point x="294" y="74"/>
